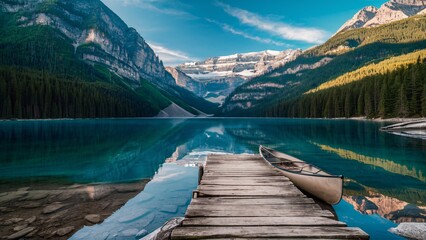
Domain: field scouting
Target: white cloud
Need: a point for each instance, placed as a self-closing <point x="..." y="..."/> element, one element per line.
<point x="232" y="30"/>
<point x="153" y="5"/>
<point x="170" y="57"/>
<point x="285" y="31"/>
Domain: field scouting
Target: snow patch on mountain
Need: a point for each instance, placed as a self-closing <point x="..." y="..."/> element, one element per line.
<point x="221" y="75"/>
<point x="391" y="11"/>
<point x="244" y="65"/>
<point x="302" y="67"/>
<point x="360" y="18"/>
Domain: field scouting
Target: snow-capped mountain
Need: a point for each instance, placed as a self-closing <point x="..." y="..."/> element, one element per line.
<point x="221" y="75"/>
<point x="244" y="65"/>
<point x="360" y="18"/>
<point x="391" y="11"/>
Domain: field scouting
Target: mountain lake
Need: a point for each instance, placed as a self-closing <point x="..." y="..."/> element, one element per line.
<point x="126" y="177"/>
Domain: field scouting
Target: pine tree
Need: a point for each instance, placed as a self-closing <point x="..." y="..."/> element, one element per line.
<point x="424" y="101"/>
<point x="348" y="104"/>
<point x="360" y="103"/>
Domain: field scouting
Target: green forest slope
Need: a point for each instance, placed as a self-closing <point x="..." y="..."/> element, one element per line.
<point x="384" y="93"/>
<point x="350" y="51"/>
<point x="42" y="76"/>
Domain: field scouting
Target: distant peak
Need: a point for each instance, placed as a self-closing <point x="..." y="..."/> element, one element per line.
<point x="409" y="2"/>
<point x="390" y="11"/>
<point x="360" y="18"/>
<point x="369" y="9"/>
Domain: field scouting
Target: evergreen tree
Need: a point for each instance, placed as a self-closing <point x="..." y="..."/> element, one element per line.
<point x="424" y="101"/>
<point x="393" y="94"/>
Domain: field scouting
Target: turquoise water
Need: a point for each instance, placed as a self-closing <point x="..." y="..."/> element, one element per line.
<point x="385" y="174"/>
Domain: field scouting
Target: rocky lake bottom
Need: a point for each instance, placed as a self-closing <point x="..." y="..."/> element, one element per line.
<point x="53" y="211"/>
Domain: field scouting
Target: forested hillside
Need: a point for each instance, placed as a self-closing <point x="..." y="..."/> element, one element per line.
<point x="40" y="77"/>
<point x="343" y="53"/>
<point x="44" y="73"/>
<point x="397" y="93"/>
<point x="373" y="69"/>
<point x="36" y="94"/>
<point x="408" y="30"/>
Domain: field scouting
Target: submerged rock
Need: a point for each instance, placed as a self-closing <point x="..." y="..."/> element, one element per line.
<point x="410" y="230"/>
<point x="93" y="218"/>
<point x="48" y="233"/>
<point x="53" y="207"/>
<point x="36" y="195"/>
<point x="66" y="195"/>
<point x="13" y="196"/>
<point x="31" y="234"/>
<point x="21" y="233"/>
<point x="123" y="188"/>
<point x="31" y="219"/>
<point x="20" y="227"/>
<point x="100" y="192"/>
<point x="30" y="205"/>
<point x="11" y="221"/>
<point x="64" y="231"/>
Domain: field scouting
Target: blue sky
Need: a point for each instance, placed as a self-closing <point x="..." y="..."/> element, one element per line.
<point x="187" y="30"/>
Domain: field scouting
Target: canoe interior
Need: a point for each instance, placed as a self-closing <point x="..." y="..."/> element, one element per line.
<point x="291" y="164"/>
<point x="318" y="183"/>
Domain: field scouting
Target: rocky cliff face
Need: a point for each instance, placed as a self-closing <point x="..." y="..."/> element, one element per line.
<point x="97" y="34"/>
<point x="359" y="19"/>
<point x="391" y="11"/>
<point x="183" y="80"/>
<point x="221" y="75"/>
<point x="253" y="93"/>
<point x="244" y="65"/>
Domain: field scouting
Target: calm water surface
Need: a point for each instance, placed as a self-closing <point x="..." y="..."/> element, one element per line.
<point x="385" y="174"/>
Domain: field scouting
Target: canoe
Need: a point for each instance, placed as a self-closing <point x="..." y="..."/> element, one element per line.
<point x="305" y="176"/>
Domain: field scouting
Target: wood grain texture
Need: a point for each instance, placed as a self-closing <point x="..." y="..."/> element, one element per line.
<point x="262" y="221"/>
<point x="268" y="232"/>
<point x="242" y="197"/>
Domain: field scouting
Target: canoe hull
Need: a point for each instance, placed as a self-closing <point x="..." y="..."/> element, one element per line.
<point x="327" y="188"/>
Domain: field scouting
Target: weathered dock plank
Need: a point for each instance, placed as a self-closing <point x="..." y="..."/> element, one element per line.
<point x="220" y="207"/>
<point x="258" y="212"/>
<point x="242" y="197"/>
<point x="252" y="201"/>
<point x="268" y="221"/>
<point x="325" y="232"/>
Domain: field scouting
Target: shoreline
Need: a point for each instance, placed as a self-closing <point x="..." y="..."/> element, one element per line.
<point x="211" y="117"/>
<point x="386" y="119"/>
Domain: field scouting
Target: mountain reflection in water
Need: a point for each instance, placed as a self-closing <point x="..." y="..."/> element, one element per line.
<point x="386" y="172"/>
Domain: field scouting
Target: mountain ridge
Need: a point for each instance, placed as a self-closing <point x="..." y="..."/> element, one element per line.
<point x="388" y="12"/>
<point x="84" y="41"/>
<point x="342" y="53"/>
<point x="218" y="76"/>
<point x="91" y="25"/>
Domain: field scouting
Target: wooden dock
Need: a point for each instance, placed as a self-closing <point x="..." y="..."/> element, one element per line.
<point x="242" y="197"/>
